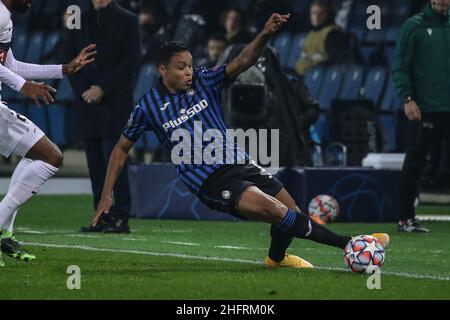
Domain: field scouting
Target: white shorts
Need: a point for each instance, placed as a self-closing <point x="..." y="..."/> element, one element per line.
<point x="17" y="133"/>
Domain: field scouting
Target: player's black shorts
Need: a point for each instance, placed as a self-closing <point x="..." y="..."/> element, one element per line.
<point x="224" y="187"/>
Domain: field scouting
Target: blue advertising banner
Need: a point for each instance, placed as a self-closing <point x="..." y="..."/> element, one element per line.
<point x="364" y="195"/>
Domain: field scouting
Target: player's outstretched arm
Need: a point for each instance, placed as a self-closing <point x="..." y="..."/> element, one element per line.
<point x="30" y="89"/>
<point x="85" y="57"/>
<point x="251" y="53"/>
<point x="31" y="71"/>
<point x="118" y="159"/>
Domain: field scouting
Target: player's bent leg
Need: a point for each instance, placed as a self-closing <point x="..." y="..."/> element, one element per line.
<point x="7" y="231"/>
<point x="46" y="159"/>
<point x="286" y="199"/>
<point x="280" y="242"/>
<point x="256" y="205"/>
<point x="46" y="151"/>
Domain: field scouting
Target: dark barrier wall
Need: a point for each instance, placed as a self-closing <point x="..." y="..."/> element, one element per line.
<point x="364" y="195"/>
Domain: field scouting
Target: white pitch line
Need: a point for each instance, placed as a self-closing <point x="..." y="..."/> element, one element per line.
<point x="433" y="218"/>
<point x="182" y="243"/>
<point x="232" y="247"/>
<point x="133" y="239"/>
<point x="222" y="259"/>
<point x="148" y="253"/>
<point x="82" y="236"/>
<point x="32" y="232"/>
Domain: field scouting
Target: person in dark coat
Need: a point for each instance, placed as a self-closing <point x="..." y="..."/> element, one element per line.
<point x="104" y="96"/>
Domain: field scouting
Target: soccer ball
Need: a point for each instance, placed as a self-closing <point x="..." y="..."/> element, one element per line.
<point x="364" y="254"/>
<point x="323" y="208"/>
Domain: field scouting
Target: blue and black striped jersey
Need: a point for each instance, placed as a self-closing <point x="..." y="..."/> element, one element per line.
<point x="195" y="111"/>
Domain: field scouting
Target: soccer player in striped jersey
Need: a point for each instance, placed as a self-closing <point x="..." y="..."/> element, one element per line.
<point x="190" y="100"/>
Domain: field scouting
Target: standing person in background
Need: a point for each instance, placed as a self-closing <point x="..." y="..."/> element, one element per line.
<point x="104" y="96"/>
<point x="422" y="79"/>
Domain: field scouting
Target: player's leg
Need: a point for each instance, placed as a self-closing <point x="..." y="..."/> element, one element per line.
<point x="256" y="205"/>
<point x="45" y="159"/>
<point x="280" y="242"/>
<point x="8" y="225"/>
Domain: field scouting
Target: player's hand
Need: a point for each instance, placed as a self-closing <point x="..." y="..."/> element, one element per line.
<point x="275" y="22"/>
<point x="412" y="111"/>
<point x="103" y="207"/>
<point x="38" y="91"/>
<point x="86" y="56"/>
<point x="94" y="95"/>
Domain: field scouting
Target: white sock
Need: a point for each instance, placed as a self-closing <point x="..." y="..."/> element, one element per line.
<point x="8" y="225"/>
<point x="29" y="183"/>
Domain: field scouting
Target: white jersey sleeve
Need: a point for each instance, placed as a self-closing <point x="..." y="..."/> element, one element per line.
<point x="11" y="79"/>
<point x="32" y="71"/>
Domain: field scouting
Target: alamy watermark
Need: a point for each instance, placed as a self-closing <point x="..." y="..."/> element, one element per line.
<point x="374" y="281"/>
<point x="374" y="20"/>
<point x="213" y="146"/>
<point x="74" y="280"/>
<point x="73" y="17"/>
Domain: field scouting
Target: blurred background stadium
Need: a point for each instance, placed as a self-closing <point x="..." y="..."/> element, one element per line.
<point x="358" y="113"/>
<point x="358" y="75"/>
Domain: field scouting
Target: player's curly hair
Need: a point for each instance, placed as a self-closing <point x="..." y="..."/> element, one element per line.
<point x="168" y="50"/>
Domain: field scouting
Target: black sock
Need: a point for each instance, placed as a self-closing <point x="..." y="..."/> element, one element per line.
<point x="279" y="243"/>
<point x="301" y="226"/>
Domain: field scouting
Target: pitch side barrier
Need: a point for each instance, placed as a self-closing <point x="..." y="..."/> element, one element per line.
<point x="364" y="194"/>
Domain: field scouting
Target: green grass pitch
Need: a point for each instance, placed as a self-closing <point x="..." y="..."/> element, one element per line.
<point x="164" y="259"/>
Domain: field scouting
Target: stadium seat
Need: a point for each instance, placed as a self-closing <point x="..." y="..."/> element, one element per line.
<point x="65" y="92"/>
<point x="35" y="47"/>
<point x="19" y="107"/>
<point x="321" y="127"/>
<point x="389" y="56"/>
<point x="52" y="7"/>
<point x="51" y="42"/>
<point x="313" y="80"/>
<point x="8" y="94"/>
<point x="391" y="35"/>
<point x="374" y="84"/>
<point x="367" y="53"/>
<point x="140" y="144"/>
<point x="359" y="32"/>
<point x="282" y="44"/>
<point x="331" y="85"/>
<point x="21" y="23"/>
<point x="295" y="51"/>
<point x="391" y="101"/>
<point x="39" y="116"/>
<point x="19" y="45"/>
<point x="56" y="115"/>
<point x="374" y="36"/>
<point x="388" y="123"/>
<point x="351" y="86"/>
<point x="147" y="78"/>
<point x="151" y="141"/>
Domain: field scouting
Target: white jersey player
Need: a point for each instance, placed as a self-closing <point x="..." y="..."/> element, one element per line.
<point x="18" y="135"/>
